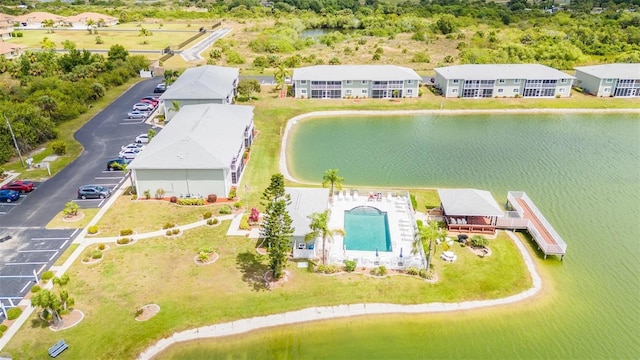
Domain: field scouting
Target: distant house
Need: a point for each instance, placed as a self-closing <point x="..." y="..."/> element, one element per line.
<point x="617" y="80"/>
<point x="84" y="19"/>
<point x="207" y="84"/>
<point x="10" y="51"/>
<point x="35" y="20"/>
<point x="304" y="202"/>
<point x="357" y="81"/>
<point x="199" y="153"/>
<point x="6" y="26"/>
<point x="502" y="80"/>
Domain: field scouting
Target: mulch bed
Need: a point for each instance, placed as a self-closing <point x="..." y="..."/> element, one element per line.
<point x="148" y="311"/>
<point x="68" y="320"/>
<point x="481" y="252"/>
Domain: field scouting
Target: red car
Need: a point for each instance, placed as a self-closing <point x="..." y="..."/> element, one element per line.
<point x="20" y="186"/>
<point x="152" y="102"/>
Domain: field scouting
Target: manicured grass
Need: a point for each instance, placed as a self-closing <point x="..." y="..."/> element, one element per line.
<point x="162" y="271"/>
<point x="150" y="215"/>
<point x="60" y="261"/>
<point x="58" y="221"/>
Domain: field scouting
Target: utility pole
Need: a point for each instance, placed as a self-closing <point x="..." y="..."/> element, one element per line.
<point x="13" y="136"/>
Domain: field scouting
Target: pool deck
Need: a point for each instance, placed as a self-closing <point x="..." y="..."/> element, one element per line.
<point x="402" y="230"/>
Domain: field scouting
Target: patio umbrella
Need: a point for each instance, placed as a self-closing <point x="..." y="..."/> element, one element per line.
<point x="376" y="252"/>
<point x="400" y="252"/>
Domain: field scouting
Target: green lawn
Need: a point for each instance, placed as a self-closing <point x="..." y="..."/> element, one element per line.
<point x="162" y="271"/>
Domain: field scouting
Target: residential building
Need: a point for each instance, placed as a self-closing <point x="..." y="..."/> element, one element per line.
<point x="617" y="80"/>
<point x="201" y="152"/>
<point x="355" y="81"/>
<point x="502" y="80"/>
<point x="10" y="51"/>
<point x="84" y="19"/>
<point x="35" y="20"/>
<point x="207" y="84"/>
<point x="6" y="26"/>
<point x="304" y="202"/>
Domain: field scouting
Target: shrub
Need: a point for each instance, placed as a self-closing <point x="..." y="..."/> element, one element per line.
<point x="96" y="255"/>
<point x="160" y="193"/>
<point x="225" y="210"/>
<point x="207" y="215"/>
<point x="13" y="313"/>
<point x="93" y="229"/>
<point x="212" y="221"/>
<point x="237" y="205"/>
<point x="71" y="208"/>
<point x="414" y="202"/>
<point x="175" y="231"/>
<point x="211" y="198"/>
<point x="255" y="215"/>
<point x="168" y="225"/>
<point x="379" y="271"/>
<point x="232" y="194"/>
<point x="479" y="241"/>
<point x="350" y="265"/>
<point x="173" y="199"/>
<point x="102" y="246"/>
<point x="191" y="201"/>
<point x="203" y="257"/>
<point x="425" y="274"/>
<point x="35" y="288"/>
<point x="412" y="270"/>
<point x="99" y="40"/>
<point x="419" y="223"/>
<point x="47" y="275"/>
<point x="147" y="194"/>
<point x="168" y="233"/>
<point x="59" y="147"/>
<point x="244" y="223"/>
<point x="123" y="241"/>
<point x="138" y="312"/>
<point x="3" y="328"/>
<point x="125" y="232"/>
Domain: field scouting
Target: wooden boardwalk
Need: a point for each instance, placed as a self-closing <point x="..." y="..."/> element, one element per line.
<point x="529" y="217"/>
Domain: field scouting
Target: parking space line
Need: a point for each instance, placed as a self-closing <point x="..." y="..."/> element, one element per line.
<point x="15" y="276"/>
<point x="64" y="238"/>
<point x="28" y="251"/>
<point x="107" y="177"/>
<point x="26" y="263"/>
<point x="53" y="256"/>
<point x="41" y="268"/>
<point x="64" y="243"/>
<point x="130" y="123"/>
<point x="9" y="204"/>
<point x="102" y="202"/>
<point x="25" y="286"/>
<point x="73" y="233"/>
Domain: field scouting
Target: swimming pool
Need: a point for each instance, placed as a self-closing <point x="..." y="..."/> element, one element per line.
<point x="366" y="228"/>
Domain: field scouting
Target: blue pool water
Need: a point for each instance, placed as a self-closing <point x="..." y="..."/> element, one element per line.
<point x="367" y="229"/>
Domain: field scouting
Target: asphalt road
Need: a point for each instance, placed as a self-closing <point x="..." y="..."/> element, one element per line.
<point x="32" y="248"/>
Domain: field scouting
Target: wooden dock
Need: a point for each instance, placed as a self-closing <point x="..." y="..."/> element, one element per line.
<point x="525" y="215"/>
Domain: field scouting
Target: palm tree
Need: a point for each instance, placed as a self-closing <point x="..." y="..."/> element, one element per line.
<point x="280" y="75"/>
<point x="175" y="106"/>
<point x="331" y="177"/>
<point x="48" y="23"/>
<point x="320" y="227"/>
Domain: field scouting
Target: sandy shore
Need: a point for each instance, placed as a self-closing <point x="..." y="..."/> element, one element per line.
<point x="284" y="169"/>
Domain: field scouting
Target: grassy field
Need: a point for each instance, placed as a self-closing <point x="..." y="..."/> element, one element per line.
<point x="163" y="271"/>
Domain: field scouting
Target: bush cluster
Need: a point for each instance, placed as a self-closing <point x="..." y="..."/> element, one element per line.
<point x="35" y="288"/>
<point x="47" y="275"/>
<point x="102" y="246"/>
<point x="97" y="254"/>
<point x="213" y="221"/>
<point x="244" y="223"/>
<point x="125" y="232"/>
<point x="123" y="241"/>
<point x="190" y="201"/>
<point x="379" y="271"/>
<point x="329" y="269"/>
<point x="168" y="225"/>
<point x="225" y="210"/>
<point x="93" y="229"/>
<point x="13" y="313"/>
<point x="172" y="232"/>
<point x="350" y="265"/>
<point x="207" y="215"/>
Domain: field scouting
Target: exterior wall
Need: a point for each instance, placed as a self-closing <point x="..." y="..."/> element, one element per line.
<point x="503" y="88"/>
<point x="357" y="89"/>
<point x="605" y="87"/>
<point x="168" y="103"/>
<point x="177" y="182"/>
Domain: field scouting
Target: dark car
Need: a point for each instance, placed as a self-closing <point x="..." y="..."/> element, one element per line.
<point x="22" y="186"/>
<point x="160" y="88"/>
<point x="117" y="164"/>
<point x="9" y="195"/>
<point x="93" y="192"/>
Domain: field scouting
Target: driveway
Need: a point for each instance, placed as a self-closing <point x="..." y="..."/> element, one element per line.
<point x="29" y="248"/>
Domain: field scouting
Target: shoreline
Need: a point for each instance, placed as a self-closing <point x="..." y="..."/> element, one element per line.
<point x="284" y="168"/>
<point x="342" y="311"/>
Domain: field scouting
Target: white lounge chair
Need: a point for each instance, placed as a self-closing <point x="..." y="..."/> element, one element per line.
<point x="355" y="195"/>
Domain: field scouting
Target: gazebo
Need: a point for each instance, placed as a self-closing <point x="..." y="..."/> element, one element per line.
<point x="469" y="210"/>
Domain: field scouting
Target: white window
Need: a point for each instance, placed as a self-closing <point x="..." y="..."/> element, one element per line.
<point x="364" y="82"/>
<point x="454" y="91"/>
<point x="303" y="91"/>
<point x="516" y="91"/>
<point x="409" y="91"/>
<point x="500" y="81"/>
<point x="607" y="89"/>
<point x="609" y="81"/>
<point x="516" y="81"/>
<point x="563" y="81"/>
<point x="500" y="90"/>
<point x="410" y="82"/>
<point x="561" y="90"/>
<point x="348" y="92"/>
<point x="303" y="82"/>
<point x="349" y="82"/>
<point x="454" y="81"/>
<point x="364" y="91"/>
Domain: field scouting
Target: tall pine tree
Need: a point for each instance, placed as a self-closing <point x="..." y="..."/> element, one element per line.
<point x="276" y="226"/>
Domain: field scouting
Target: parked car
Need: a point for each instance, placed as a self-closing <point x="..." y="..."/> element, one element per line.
<point x="9" y="195"/>
<point x="152" y="98"/>
<point x="143" y="107"/>
<point x="160" y="88"/>
<point x="132" y="146"/>
<point x="93" y="192"/>
<point x="22" y="186"/>
<point x="129" y="154"/>
<point x="117" y="164"/>
<point x="152" y="102"/>
<point x="142" y="139"/>
<point x="137" y="114"/>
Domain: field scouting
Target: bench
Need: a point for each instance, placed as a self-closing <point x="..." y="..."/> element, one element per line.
<point x="58" y="348"/>
<point x="3" y="239"/>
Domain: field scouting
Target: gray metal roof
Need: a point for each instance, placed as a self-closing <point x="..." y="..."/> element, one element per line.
<point x="304" y="202"/>
<point x="206" y="136"/>
<point x="354" y="72"/>
<point x="501" y="71"/>
<point x="202" y="82"/>
<point x="469" y="202"/>
<point x="612" y="71"/>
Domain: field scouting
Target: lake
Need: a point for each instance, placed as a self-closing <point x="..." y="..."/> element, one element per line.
<point x="583" y="173"/>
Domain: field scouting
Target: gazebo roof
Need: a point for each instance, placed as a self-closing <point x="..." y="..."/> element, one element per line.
<point x="469" y="202"/>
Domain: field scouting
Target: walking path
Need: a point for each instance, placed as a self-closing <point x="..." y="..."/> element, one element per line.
<point x="193" y="53"/>
<point x="340" y="311"/>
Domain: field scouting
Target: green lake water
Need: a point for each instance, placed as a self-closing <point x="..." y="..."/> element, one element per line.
<point x="583" y="173"/>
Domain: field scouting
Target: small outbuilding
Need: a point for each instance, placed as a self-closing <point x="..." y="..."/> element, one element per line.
<point x="304" y="202"/>
<point x="469" y="210"/>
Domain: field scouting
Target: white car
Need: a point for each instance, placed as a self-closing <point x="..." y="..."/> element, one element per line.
<point x="142" y="139"/>
<point x="132" y="146"/>
<point x="143" y="107"/>
<point x="129" y="154"/>
<point x="137" y="114"/>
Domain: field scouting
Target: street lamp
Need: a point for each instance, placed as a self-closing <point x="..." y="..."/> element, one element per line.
<point x="13" y="136"/>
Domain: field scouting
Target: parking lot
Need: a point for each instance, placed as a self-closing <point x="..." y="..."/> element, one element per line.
<point x="5" y="208"/>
